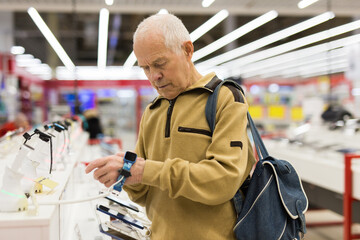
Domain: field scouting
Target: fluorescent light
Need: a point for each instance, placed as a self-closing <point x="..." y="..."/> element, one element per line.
<point x="337" y="70"/>
<point x="355" y="91"/>
<point x="240" y="51"/>
<point x="51" y="38"/>
<point x="310" y="68"/>
<point x="238" y="63"/>
<point x="21" y="57"/>
<point x="163" y="11"/>
<point x="314" y="68"/>
<point x="130" y="61"/>
<point x="237" y="33"/>
<point x="17" y="50"/>
<point x="205" y="27"/>
<point x="103" y="37"/>
<point x="41" y="70"/>
<point x="34" y="66"/>
<point x="109" y="2"/>
<point x="27" y="62"/>
<point x="255" y="89"/>
<point x="207" y="3"/>
<point x="107" y="73"/>
<point x="209" y="24"/>
<point x="305" y="3"/>
<point x="323" y="71"/>
<point x="273" y="88"/>
<point x="284" y="59"/>
<point x="297" y="62"/>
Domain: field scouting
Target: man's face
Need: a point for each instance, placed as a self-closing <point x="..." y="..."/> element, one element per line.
<point x="167" y="71"/>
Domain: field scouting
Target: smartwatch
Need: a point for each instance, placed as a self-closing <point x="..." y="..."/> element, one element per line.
<point x="129" y="160"/>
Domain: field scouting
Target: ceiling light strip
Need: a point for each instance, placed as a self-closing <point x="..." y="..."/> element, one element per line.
<point x="237" y="33"/>
<point x="332" y="71"/>
<point x="317" y="67"/>
<point x="309" y="67"/>
<point x="324" y="70"/>
<point x="207" y="3"/>
<point x="103" y="37"/>
<point x="305" y="3"/>
<point x="130" y="61"/>
<point x="236" y="64"/>
<point x="240" y="51"/>
<point x="44" y="29"/>
<point x="321" y="57"/>
<point x="109" y="2"/>
<point x="209" y="24"/>
<point x="284" y="59"/>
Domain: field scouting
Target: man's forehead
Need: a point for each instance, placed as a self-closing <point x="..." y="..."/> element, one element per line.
<point x="148" y="45"/>
<point x="151" y="60"/>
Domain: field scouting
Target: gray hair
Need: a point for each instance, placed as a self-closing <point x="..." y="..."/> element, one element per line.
<point x="171" y="28"/>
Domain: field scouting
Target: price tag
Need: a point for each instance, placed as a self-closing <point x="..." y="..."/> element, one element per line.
<point x="47" y="182"/>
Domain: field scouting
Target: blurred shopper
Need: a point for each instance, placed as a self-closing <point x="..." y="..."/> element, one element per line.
<point x="190" y="175"/>
<point x="20" y="122"/>
<point x="93" y="124"/>
<point x="335" y="112"/>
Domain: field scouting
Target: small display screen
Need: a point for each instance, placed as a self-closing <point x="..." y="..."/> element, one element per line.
<point x="116" y="234"/>
<point x="120" y="216"/>
<point x="130" y="156"/>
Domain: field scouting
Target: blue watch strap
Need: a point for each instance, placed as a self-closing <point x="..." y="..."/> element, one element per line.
<point x="129" y="160"/>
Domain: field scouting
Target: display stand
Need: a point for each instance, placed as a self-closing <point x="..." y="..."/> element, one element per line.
<point x="116" y="141"/>
<point x="348" y="197"/>
<point x="50" y="221"/>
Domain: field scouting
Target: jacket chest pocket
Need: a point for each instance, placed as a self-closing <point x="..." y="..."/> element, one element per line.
<point x="194" y="130"/>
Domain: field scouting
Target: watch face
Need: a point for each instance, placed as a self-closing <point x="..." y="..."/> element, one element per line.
<point x="130" y="156"/>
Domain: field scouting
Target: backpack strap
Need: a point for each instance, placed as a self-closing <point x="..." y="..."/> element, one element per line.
<point x="210" y="112"/>
<point x="210" y="108"/>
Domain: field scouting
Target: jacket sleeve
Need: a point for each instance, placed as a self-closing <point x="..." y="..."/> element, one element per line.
<point x="138" y="192"/>
<point x="215" y="179"/>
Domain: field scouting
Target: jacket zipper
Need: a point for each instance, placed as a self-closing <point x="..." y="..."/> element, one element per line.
<point x="168" y="117"/>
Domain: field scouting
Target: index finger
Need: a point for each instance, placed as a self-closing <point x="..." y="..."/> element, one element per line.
<point x="96" y="164"/>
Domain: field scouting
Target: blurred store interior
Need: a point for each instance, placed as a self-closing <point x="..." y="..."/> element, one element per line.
<point x="299" y="66"/>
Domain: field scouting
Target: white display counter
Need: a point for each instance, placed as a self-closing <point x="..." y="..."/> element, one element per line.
<point x="73" y="221"/>
<point x="49" y="221"/>
<point x="323" y="168"/>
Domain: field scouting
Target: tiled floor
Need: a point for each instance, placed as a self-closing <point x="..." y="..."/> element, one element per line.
<point x="334" y="232"/>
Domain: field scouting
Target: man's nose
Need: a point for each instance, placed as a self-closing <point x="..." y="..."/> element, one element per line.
<point x="155" y="75"/>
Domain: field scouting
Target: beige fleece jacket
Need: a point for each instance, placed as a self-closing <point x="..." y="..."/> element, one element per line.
<point x="190" y="176"/>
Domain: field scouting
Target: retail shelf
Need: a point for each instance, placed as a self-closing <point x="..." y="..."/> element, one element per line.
<point x="49" y="221"/>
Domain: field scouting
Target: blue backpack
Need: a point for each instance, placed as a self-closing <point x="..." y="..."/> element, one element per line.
<point x="271" y="204"/>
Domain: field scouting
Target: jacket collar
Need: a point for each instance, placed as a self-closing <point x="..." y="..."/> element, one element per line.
<point x="207" y="82"/>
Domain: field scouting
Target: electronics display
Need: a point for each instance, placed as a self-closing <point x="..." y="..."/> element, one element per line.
<point x="348" y="150"/>
<point x="122" y="203"/>
<point x="115" y="214"/>
<point x="130" y="156"/>
<point x="115" y="234"/>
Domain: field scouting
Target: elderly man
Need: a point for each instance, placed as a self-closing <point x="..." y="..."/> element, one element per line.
<point x="184" y="175"/>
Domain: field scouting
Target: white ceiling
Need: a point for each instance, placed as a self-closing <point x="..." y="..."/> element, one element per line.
<point x="236" y="7"/>
<point x="77" y="24"/>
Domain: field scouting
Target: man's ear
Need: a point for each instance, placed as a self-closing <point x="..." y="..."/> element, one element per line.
<point x="188" y="48"/>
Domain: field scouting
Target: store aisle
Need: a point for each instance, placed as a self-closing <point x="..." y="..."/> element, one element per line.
<point x="334" y="232"/>
<point x="128" y="139"/>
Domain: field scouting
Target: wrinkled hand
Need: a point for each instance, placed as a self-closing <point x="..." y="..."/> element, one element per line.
<point x="106" y="169"/>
